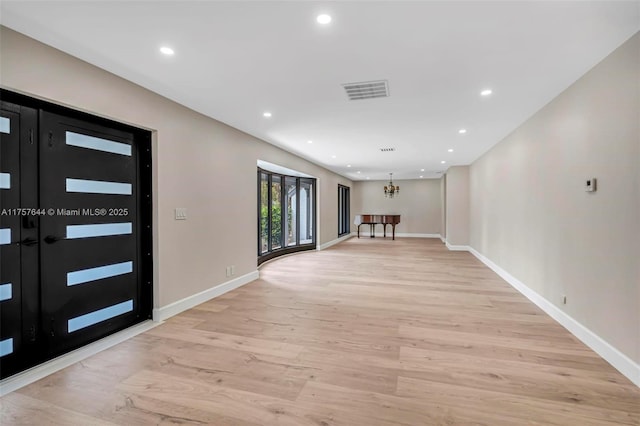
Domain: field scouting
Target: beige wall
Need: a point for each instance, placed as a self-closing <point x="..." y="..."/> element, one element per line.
<point x="531" y="216"/>
<point x="418" y="204"/>
<point x="443" y="207"/>
<point x="201" y="164"/>
<point x="457" y="203"/>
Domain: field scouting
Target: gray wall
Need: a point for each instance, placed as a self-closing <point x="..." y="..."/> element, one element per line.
<point x="200" y="163"/>
<point x="457" y="205"/>
<point x="443" y="207"/>
<point x="418" y="204"/>
<point x="531" y="216"/>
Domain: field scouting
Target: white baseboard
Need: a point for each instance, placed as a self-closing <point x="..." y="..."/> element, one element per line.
<point x="161" y="314"/>
<point x="415" y="235"/>
<point x="40" y="371"/>
<point x="457" y="248"/>
<point x="334" y="242"/>
<point x="442" y="238"/>
<point x="399" y="234"/>
<point x="613" y="356"/>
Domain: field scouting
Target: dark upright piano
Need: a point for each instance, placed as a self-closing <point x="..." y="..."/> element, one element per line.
<point x="373" y="219"/>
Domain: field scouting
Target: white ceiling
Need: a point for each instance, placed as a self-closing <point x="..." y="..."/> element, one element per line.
<point x="235" y="60"/>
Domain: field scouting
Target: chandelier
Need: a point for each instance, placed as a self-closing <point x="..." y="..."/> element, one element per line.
<point x="391" y="189"/>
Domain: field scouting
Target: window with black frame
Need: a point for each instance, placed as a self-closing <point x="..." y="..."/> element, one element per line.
<point x="343" y="210"/>
<point x="286" y="214"/>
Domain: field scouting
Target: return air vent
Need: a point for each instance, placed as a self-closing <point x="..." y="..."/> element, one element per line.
<point x="387" y="149"/>
<point x="367" y="90"/>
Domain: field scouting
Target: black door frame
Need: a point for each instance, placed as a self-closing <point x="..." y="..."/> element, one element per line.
<point x="38" y="351"/>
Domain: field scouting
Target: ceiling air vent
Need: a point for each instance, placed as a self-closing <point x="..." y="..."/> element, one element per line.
<point x="367" y="90"/>
<point x="387" y="149"/>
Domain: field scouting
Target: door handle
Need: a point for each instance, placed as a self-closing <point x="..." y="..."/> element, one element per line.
<point x="29" y="242"/>
<point x="50" y="239"/>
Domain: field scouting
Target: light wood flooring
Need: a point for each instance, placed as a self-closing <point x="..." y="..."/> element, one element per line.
<point x="368" y="332"/>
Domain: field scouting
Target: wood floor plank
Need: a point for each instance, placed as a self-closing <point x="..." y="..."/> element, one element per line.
<point x="240" y="405"/>
<point x="564" y="347"/>
<point x="367" y="332"/>
<point x="391" y="408"/>
<point x="538" y="381"/>
<point x="226" y="340"/>
<point x="522" y="409"/>
<point x="17" y="409"/>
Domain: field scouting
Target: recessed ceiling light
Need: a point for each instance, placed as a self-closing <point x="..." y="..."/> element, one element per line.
<point x="348" y="165"/>
<point x="333" y="156"/>
<point x="167" y="50"/>
<point x="421" y="176"/>
<point x="266" y="114"/>
<point x="422" y="170"/>
<point x="358" y="171"/>
<point x="450" y="150"/>
<point x="368" y="178"/>
<point x="486" y="92"/>
<point x="442" y="162"/>
<point x="309" y="141"/>
<point x="323" y="19"/>
<point x="462" y="131"/>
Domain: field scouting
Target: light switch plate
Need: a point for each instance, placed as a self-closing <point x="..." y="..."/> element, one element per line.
<point x="181" y="213"/>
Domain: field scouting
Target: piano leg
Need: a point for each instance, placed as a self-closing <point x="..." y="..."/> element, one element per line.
<point x="358" y="231"/>
<point x="393" y="230"/>
<point x="372" y="230"/>
<point x="384" y="232"/>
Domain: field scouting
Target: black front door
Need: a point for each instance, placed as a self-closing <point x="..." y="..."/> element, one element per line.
<point x="75" y="231"/>
<point x="89" y="250"/>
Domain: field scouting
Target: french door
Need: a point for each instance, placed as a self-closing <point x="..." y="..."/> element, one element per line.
<point x="286" y="214"/>
<point x="75" y="253"/>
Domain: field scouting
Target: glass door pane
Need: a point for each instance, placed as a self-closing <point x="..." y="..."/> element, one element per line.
<point x="291" y="198"/>
<point x="276" y="212"/>
<point x="306" y="212"/>
<point x="264" y="213"/>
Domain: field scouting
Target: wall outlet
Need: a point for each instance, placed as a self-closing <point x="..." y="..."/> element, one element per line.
<point x="228" y="271"/>
<point x="233" y="270"/>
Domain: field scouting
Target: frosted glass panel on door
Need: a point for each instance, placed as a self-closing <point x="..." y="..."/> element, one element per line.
<point x="98" y="187"/>
<point x="98" y="273"/>
<point x="5" y="181"/>
<point x="6" y="292"/>
<point x="5" y="236"/>
<point x="90" y="142"/>
<point x="77" y="323"/>
<point x="5" y="125"/>
<point x="6" y="347"/>
<point x="98" y="230"/>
